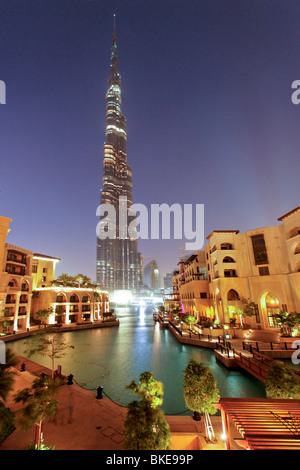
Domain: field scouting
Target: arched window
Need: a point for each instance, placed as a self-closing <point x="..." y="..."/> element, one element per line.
<point x="12" y="283"/>
<point x="297" y="249"/>
<point x="74" y="298"/>
<point x="228" y="259"/>
<point x="61" y="297"/>
<point x="233" y="295"/>
<point x="295" y="231"/>
<point x="226" y="246"/>
<point x="25" y="286"/>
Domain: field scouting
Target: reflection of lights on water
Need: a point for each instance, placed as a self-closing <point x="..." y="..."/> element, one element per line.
<point x="142" y="315"/>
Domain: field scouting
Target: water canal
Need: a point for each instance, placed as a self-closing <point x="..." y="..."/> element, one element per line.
<point x="113" y="357"/>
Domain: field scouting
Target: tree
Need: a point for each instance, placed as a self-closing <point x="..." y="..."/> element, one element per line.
<point x="161" y="309"/>
<point x="245" y="308"/>
<point x="64" y="278"/>
<point x="145" y="427"/>
<point x="200" y="392"/>
<point x="5" y="325"/>
<point x="6" y="386"/>
<point x="82" y="279"/>
<point x="48" y="344"/>
<point x="44" y="314"/>
<point x="176" y="312"/>
<point x="39" y="404"/>
<point x="6" y="374"/>
<point x="287" y="321"/>
<point x="190" y="319"/>
<point x="281" y="382"/>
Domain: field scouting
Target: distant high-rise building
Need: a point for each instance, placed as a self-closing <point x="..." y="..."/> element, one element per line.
<point x="152" y="276"/>
<point x="168" y="283"/>
<point x="119" y="263"/>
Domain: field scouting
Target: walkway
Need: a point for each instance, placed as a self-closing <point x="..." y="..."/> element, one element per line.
<point x="84" y="423"/>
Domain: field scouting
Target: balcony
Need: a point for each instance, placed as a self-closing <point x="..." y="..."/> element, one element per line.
<point x="73" y="309"/>
<point x="230" y="273"/>
<point x="86" y="308"/>
<point x="60" y="310"/>
<point x="15" y="270"/>
<point x="15" y="259"/>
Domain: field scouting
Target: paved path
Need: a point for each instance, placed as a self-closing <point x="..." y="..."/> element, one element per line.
<point x="84" y="423"/>
<point x="81" y="422"/>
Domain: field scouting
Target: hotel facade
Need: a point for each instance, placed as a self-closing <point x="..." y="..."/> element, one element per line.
<point x="262" y="265"/>
<point x="27" y="285"/>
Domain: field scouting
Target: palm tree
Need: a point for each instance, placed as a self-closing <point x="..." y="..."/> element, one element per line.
<point x="64" y="278"/>
<point x="6" y="385"/>
<point x="82" y="279"/>
<point x="6" y="374"/>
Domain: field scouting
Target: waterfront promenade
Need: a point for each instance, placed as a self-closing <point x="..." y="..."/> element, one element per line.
<point x="83" y="422"/>
<point x="21" y="334"/>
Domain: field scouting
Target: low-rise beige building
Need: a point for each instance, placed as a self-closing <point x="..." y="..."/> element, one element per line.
<point x="27" y="286"/>
<point x="262" y="265"/>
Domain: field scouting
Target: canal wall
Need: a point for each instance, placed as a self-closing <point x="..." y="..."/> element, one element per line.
<point x="60" y="329"/>
<point x="191" y="341"/>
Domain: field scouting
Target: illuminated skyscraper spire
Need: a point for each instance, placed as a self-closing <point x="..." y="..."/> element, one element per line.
<point x="119" y="264"/>
<point x="114" y="77"/>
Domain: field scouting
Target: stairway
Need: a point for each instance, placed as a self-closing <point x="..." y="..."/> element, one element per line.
<point x="264" y="336"/>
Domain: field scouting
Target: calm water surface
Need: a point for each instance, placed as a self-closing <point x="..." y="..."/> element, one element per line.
<point x="113" y="357"/>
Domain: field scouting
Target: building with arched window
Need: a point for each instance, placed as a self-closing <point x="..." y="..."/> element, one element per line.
<point x="261" y="265"/>
<point x="27" y="286"/>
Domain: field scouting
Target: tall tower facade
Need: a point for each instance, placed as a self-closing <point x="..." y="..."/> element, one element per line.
<point x="152" y="276"/>
<point x="119" y="263"/>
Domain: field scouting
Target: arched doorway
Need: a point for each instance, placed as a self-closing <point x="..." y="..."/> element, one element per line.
<point x="270" y="307"/>
<point x="232" y="305"/>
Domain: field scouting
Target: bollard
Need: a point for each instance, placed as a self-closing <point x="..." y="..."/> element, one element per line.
<point x="99" y="393"/>
<point x="70" y="379"/>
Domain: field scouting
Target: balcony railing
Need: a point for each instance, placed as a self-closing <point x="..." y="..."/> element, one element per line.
<point x="14" y="259"/>
<point x="12" y="270"/>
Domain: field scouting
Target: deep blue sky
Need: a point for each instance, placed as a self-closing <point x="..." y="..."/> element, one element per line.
<point x="206" y="89"/>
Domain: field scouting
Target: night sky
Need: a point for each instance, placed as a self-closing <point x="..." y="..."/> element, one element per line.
<point x="206" y="91"/>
